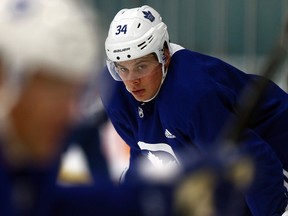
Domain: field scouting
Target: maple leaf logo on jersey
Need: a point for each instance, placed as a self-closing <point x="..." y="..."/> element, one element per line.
<point x="148" y="15"/>
<point x="158" y="163"/>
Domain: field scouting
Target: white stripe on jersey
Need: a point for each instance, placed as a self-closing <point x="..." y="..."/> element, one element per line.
<point x="158" y="147"/>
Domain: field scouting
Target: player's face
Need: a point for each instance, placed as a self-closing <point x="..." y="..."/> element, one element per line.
<point x="44" y="111"/>
<point x="142" y="77"/>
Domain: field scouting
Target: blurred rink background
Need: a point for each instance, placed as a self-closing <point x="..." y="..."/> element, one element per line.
<point x="241" y="32"/>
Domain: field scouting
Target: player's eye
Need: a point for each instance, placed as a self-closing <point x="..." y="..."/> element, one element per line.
<point x="122" y="70"/>
<point x="142" y="68"/>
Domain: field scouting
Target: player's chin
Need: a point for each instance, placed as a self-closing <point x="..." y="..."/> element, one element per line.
<point x="140" y="95"/>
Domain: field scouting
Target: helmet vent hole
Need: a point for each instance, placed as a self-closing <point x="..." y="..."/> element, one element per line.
<point x="128" y="56"/>
<point x="150" y="39"/>
<point x="141" y="44"/>
<point x="139" y="25"/>
<point x="118" y="58"/>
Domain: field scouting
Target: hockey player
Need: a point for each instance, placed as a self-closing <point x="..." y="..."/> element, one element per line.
<point x="170" y="102"/>
<point x="48" y="52"/>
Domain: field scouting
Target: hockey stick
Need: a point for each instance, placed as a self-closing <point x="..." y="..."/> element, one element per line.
<point x="253" y="93"/>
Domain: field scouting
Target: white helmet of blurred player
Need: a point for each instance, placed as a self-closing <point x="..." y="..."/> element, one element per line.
<point x="135" y="33"/>
<point x="57" y="33"/>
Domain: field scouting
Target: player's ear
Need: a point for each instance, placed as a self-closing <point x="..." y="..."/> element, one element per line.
<point x="167" y="55"/>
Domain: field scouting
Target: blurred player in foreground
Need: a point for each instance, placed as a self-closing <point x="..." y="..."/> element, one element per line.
<point x="48" y="53"/>
<point x="170" y="105"/>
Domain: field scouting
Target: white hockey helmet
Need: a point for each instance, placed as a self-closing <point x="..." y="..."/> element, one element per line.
<point x="58" y="33"/>
<point x="135" y="33"/>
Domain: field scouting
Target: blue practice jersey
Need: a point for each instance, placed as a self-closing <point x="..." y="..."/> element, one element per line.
<point x="199" y="95"/>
